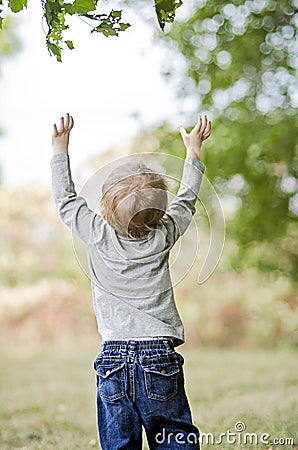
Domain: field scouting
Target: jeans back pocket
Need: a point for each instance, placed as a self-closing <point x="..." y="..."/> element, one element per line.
<point x="161" y="376"/>
<point x="110" y="378"/>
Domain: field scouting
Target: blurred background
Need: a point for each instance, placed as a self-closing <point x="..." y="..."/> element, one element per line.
<point x="236" y="61"/>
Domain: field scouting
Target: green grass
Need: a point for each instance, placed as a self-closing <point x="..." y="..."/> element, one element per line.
<point x="47" y="399"/>
<point x="257" y="387"/>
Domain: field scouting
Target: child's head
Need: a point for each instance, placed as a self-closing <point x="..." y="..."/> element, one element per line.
<point x="134" y="199"/>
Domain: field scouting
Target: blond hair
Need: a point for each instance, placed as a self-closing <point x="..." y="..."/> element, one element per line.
<point x="134" y="199"/>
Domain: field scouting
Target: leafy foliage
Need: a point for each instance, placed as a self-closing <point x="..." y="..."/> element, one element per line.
<point x="165" y="11"/>
<point x="241" y="66"/>
<point x="55" y="13"/>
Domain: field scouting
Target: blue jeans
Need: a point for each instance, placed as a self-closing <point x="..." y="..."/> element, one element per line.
<point x="141" y="383"/>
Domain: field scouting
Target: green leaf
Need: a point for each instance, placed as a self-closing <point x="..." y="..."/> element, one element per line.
<point x="55" y="50"/>
<point x="69" y="8"/>
<point x="82" y="7"/>
<point x="106" y="29"/>
<point x="69" y="44"/>
<point x="165" y="11"/>
<point x="55" y="6"/>
<point x="1" y="22"/>
<point x="17" y="5"/>
<point x="124" y="26"/>
<point x="116" y="14"/>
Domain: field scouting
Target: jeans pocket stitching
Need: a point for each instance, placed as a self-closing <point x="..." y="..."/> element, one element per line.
<point x="161" y="380"/>
<point x="111" y="381"/>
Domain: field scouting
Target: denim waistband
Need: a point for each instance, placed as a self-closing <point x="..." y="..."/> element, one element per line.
<point x="135" y="345"/>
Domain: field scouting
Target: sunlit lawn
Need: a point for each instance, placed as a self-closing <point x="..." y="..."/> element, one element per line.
<point x="47" y="398"/>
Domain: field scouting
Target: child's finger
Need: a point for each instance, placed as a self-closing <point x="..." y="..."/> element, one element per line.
<point x="71" y="123"/>
<point x="206" y="135"/>
<point x="55" y="132"/>
<point x="204" y="124"/>
<point x="208" y="127"/>
<point x="61" y="129"/>
<point x="197" y="128"/>
<point x="66" y="120"/>
<point x="182" y="131"/>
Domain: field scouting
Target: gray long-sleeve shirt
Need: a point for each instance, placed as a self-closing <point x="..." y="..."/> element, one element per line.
<point x="130" y="278"/>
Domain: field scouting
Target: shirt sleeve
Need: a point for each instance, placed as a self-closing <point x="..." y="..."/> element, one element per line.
<point x="179" y="214"/>
<point x="72" y="209"/>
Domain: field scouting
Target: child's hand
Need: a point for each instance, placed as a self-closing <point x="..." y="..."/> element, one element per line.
<point x="60" y="138"/>
<point x="194" y="139"/>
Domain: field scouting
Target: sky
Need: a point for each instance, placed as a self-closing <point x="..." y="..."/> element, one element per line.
<point x="103" y="83"/>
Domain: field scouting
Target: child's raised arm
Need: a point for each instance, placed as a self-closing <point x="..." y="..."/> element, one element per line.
<point x="179" y="214"/>
<point x="73" y="209"/>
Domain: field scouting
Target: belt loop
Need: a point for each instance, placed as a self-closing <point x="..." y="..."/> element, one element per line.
<point x="131" y="350"/>
<point x="132" y="345"/>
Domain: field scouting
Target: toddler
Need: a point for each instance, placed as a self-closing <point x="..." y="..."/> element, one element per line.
<point x="139" y="374"/>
